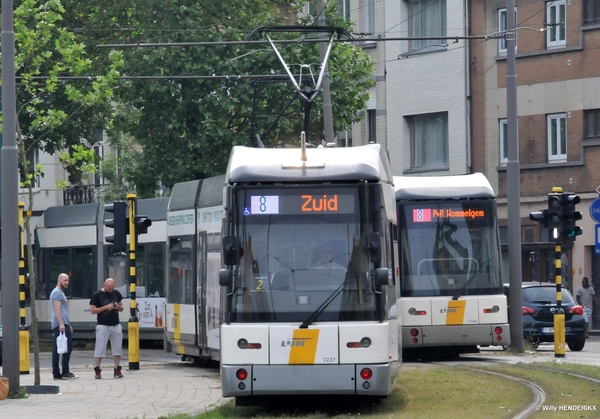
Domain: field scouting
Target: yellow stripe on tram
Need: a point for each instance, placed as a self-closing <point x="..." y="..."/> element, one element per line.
<point x="456" y="312"/>
<point x="177" y="323"/>
<point x="304" y="346"/>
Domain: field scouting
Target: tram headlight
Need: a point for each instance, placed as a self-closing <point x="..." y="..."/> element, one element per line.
<point x="242" y="344"/>
<point x="365" y="342"/>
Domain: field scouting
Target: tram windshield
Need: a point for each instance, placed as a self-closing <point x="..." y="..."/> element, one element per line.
<point x="299" y="248"/>
<point x="449" y="248"/>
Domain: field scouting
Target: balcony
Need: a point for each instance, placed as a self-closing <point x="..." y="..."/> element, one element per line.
<point x="84" y="194"/>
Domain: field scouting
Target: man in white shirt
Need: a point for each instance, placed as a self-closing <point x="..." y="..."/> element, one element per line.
<point x="586" y="296"/>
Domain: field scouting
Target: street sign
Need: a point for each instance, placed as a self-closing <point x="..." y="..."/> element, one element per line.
<point x="595" y="210"/>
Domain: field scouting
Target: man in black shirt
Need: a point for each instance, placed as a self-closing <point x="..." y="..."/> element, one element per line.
<point x="107" y="303"/>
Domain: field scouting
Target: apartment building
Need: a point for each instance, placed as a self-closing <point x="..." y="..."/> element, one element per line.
<point x="419" y="107"/>
<point x="558" y="111"/>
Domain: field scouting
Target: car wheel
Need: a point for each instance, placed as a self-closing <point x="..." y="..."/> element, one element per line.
<point x="576" y="345"/>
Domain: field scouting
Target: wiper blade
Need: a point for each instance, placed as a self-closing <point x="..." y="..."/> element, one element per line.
<point x="322" y="307"/>
<point x="464" y="287"/>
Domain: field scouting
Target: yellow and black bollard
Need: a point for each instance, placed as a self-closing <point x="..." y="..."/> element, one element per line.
<point x="134" y="325"/>
<point x="559" y="314"/>
<point x="23" y="329"/>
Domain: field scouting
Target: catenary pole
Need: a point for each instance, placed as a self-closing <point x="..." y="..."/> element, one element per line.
<point x="513" y="186"/>
<point x="10" y="198"/>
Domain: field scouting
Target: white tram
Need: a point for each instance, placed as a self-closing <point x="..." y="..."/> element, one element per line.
<point x="310" y="284"/>
<point x="451" y="291"/>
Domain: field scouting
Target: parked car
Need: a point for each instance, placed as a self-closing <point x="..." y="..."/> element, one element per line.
<point x="538" y="308"/>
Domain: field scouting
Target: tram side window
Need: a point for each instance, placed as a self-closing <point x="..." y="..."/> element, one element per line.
<point x="83" y="274"/>
<point x="150" y="269"/>
<point x="116" y="267"/>
<point x="78" y="263"/>
<point x="181" y="287"/>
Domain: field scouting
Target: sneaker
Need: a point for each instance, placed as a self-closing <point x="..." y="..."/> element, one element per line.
<point x="98" y="373"/>
<point x="69" y="376"/>
<point x="118" y="372"/>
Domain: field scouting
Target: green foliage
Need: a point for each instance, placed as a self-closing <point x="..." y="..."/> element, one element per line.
<point x="21" y="393"/>
<point x="54" y="115"/>
<point x="186" y="127"/>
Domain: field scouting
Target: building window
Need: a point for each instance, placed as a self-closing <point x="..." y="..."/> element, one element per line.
<point x="503" y="130"/>
<point x="556" y="19"/>
<point x="502" y="28"/>
<point x="557" y="137"/>
<point x="426" y="18"/>
<point x="372" y="125"/>
<point x="429" y="141"/>
<point x="591" y="12"/>
<point x="343" y="8"/>
<point x="592" y="123"/>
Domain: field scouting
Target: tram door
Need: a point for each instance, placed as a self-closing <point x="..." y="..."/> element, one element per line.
<point x="201" y="291"/>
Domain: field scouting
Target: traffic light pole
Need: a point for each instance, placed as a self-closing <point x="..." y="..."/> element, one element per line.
<point x="559" y="314"/>
<point x="24" y="363"/>
<point x="134" y="325"/>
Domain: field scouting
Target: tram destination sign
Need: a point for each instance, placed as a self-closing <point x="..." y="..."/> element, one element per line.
<point x="302" y="203"/>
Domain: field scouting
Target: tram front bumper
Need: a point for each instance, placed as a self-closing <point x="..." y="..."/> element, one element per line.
<point x="308" y="380"/>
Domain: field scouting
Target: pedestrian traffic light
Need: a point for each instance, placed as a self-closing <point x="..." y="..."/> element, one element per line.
<point x="571" y="216"/>
<point x="555" y="217"/>
<point x="119" y="224"/>
<point x="142" y="222"/>
<point x="540" y="216"/>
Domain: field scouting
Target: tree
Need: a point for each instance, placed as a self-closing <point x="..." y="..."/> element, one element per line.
<point x="53" y="115"/>
<point x="186" y="127"/>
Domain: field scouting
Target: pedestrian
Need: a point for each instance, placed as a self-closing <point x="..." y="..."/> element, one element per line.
<point x="60" y="324"/>
<point x="107" y="303"/>
<point x="585" y="297"/>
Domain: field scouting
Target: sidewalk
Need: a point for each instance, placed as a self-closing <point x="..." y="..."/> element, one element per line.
<point x="155" y="390"/>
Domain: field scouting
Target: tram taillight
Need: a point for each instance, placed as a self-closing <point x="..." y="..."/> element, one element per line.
<point x="498" y="330"/>
<point x="414" y="332"/>
<point x="366" y="373"/>
<point x="241" y="374"/>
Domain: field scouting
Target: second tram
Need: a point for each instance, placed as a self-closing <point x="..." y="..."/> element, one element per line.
<point x="70" y="239"/>
<point x="194" y="220"/>
<point x="452" y="298"/>
<point x="310" y="283"/>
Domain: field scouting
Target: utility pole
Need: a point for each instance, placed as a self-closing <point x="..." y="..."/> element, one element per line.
<point x="327" y="111"/>
<point x="513" y="186"/>
<point x="10" y="198"/>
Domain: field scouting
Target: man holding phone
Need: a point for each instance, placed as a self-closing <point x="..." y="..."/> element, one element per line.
<point x="107" y="303"/>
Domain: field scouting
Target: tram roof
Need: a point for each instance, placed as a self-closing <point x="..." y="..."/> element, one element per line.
<point x="201" y="193"/>
<point x="368" y="162"/>
<point x="70" y="215"/>
<point x="153" y="208"/>
<point x="474" y="185"/>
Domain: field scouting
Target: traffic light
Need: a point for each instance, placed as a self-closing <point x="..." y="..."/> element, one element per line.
<point x="540" y="216"/>
<point x="142" y="222"/>
<point x="555" y="217"/>
<point x="120" y="225"/>
<point x="571" y="216"/>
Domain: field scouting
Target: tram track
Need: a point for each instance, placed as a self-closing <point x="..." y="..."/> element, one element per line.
<point x="538" y="392"/>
